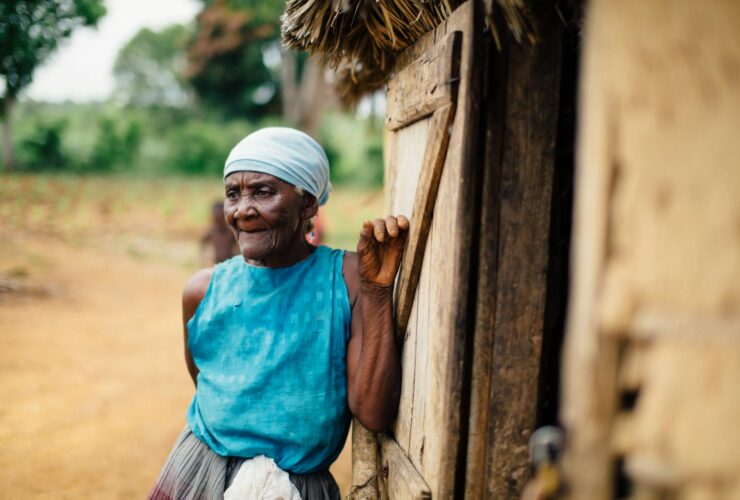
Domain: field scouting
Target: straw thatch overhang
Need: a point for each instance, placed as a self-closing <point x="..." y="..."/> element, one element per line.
<point x="359" y="39"/>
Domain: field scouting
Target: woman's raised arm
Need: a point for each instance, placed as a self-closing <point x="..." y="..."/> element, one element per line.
<point x="373" y="358"/>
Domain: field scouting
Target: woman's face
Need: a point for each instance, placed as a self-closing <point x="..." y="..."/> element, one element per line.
<point x="268" y="217"/>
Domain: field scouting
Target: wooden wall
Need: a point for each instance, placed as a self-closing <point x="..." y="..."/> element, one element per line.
<point x="652" y="361"/>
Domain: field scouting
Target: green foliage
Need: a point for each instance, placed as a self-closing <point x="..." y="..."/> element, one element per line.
<point x="42" y="149"/>
<point x="148" y="69"/>
<point x="199" y="148"/>
<point x="94" y="138"/>
<point x="354" y="148"/>
<point x="31" y="29"/>
<point x="226" y="60"/>
<point x="117" y="144"/>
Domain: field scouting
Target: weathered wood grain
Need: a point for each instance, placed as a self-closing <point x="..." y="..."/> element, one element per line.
<point x="426" y="196"/>
<point x="402" y="479"/>
<point x="426" y="84"/>
<point x="479" y="442"/>
<point x="409" y="144"/>
<point x="531" y="118"/>
<point x="364" y="463"/>
<point x="519" y="160"/>
<point x="435" y="414"/>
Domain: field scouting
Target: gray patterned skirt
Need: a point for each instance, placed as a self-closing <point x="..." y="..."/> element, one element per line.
<point x="194" y="472"/>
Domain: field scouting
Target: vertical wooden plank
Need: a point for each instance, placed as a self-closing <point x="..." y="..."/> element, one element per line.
<point x="479" y="442"/>
<point x="451" y="259"/>
<point x="438" y="416"/>
<point x="409" y="144"/>
<point x="424" y="302"/>
<point x="404" y="425"/>
<point x="364" y="463"/>
<point x="521" y="131"/>
<point x="530" y="132"/>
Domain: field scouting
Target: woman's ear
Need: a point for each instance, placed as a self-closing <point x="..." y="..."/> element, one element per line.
<point x="310" y="206"/>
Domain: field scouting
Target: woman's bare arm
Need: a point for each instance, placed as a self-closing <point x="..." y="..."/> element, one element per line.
<point x="373" y="358"/>
<point x="194" y="291"/>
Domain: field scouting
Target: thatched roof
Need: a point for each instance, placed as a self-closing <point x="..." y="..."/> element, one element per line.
<point x="360" y="38"/>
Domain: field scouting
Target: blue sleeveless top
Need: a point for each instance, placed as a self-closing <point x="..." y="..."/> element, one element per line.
<point x="270" y="344"/>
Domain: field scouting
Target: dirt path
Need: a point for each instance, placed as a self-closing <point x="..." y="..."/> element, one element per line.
<point x="94" y="388"/>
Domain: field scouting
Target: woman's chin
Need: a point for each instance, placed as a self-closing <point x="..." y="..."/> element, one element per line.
<point x="250" y="253"/>
<point x="254" y="246"/>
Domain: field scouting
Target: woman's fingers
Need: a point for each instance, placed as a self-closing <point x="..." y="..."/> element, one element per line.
<point x="367" y="229"/>
<point x="391" y="225"/>
<point x="379" y="230"/>
<point x="403" y="223"/>
<point x="384" y="229"/>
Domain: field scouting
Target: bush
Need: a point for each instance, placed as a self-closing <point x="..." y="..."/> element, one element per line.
<point x="199" y="148"/>
<point x="354" y="148"/>
<point x="116" y="144"/>
<point x="96" y="137"/>
<point x="41" y="148"/>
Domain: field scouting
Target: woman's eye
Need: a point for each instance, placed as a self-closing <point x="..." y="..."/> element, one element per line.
<point x="232" y="194"/>
<point x="262" y="193"/>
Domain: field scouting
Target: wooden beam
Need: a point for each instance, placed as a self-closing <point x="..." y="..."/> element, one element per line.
<point x="426" y="196"/>
<point x="425" y="85"/>
<point x="402" y="479"/>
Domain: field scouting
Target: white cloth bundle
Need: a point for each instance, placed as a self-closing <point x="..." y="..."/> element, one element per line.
<point x="259" y="478"/>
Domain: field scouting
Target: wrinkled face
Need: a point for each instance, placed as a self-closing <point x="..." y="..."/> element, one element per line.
<point x="268" y="217"/>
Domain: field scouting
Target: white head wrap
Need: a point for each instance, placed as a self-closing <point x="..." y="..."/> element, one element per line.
<point x="286" y="153"/>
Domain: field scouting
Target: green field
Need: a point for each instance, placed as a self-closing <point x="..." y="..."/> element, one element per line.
<point x="84" y="209"/>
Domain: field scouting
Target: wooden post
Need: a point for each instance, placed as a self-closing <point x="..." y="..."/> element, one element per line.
<point x="364" y="463"/>
<point x="519" y="160"/>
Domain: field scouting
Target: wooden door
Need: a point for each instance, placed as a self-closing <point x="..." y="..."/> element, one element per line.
<point x="431" y="175"/>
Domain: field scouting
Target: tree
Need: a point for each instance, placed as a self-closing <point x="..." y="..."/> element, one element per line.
<point x="30" y="30"/>
<point x="226" y="61"/>
<point x="237" y="64"/>
<point x="148" y="69"/>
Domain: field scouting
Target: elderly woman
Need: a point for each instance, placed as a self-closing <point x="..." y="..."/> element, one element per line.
<point x="285" y="341"/>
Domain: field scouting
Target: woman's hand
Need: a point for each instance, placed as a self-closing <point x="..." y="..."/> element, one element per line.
<point x="380" y="250"/>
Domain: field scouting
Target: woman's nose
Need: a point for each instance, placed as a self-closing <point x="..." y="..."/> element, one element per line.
<point x="245" y="207"/>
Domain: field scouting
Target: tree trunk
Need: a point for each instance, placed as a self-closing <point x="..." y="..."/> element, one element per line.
<point x="291" y="104"/>
<point x="8" y="103"/>
<point x="315" y="96"/>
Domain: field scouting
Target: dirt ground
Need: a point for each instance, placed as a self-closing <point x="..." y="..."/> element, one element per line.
<point x="94" y="386"/>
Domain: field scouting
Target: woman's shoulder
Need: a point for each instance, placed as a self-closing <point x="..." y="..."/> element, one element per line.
<point x="196" y="287"/>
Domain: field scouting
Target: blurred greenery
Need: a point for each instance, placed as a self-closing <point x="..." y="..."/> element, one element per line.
<point x="107" y="137"/>
<point x="30" y="30"/>
<point x="185" y="95"/>
<point x="149" y="69"/>
<point x="234" y="55"/>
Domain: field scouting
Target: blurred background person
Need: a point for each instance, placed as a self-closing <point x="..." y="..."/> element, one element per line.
<point x="217" y="244"/>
